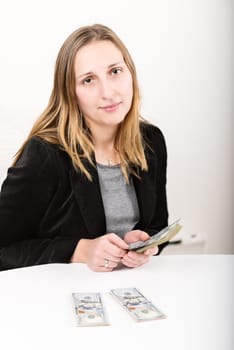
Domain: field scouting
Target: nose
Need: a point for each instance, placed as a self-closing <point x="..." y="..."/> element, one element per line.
<point x="106" y="88"/>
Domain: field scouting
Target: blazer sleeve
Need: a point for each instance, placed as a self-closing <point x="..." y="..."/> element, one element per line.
<point x="25" y="196"/>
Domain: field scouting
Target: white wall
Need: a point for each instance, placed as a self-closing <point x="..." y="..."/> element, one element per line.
<point x="183" y="51"/>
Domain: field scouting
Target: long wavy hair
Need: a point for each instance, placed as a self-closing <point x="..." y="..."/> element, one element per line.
<point x="63" y="123"/>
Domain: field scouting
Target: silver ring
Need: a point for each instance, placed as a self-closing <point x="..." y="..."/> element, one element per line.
<point x="106" y="263"/>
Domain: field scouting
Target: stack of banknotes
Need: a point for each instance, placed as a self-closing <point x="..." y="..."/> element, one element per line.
<point x="162" y="236"/>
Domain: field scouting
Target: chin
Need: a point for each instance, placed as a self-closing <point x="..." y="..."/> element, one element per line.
<point x="112" y="119"/>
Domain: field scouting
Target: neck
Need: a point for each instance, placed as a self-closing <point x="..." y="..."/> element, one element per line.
<point x="104" y="144"/>
<point x="104" y="138"/>
<point x="105" y="151"/>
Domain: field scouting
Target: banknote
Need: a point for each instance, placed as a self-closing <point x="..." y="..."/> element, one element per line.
<point x="89" y="309"/>
<point x="162" y="236"/>
<point x="136" y="304"/>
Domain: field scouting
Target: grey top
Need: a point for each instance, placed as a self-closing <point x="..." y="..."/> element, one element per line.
<point x="119" y="200"/>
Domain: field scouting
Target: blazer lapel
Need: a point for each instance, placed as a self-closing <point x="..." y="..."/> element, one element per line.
<point x="146" y="194"/>
<point x="88" y="196"/>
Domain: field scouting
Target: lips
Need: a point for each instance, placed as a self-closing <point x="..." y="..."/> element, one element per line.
<point x="111" y="107"/>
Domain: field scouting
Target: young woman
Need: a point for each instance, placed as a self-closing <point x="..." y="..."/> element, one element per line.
<point x="91" y="176"/>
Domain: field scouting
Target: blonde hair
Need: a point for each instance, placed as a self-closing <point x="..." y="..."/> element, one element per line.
<point x="62" y="122"/>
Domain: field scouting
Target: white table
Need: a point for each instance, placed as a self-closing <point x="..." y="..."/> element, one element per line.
<point x="194" y="291"/>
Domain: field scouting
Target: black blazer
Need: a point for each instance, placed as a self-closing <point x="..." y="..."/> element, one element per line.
<point x="46" y="206"/>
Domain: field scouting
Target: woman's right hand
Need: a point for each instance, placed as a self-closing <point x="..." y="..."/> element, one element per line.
<point x="100" y="254"/>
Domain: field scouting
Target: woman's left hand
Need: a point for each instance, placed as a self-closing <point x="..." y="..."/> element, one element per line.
<point x="134" y="259"/>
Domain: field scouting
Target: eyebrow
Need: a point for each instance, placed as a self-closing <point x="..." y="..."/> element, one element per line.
<point x="110" y="66"/>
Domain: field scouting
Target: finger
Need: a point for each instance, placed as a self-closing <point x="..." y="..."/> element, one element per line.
<point x="109" y="263"/>
<point x="151" y="251"/>
<point x="135" y="256"/>
<point x="114" y="249"/>
<point x="114" y="253"/>
<point x="111" y="257"/>
<point x="102" y="268"/>
<point x="143" y="236"/>
<point x="126" y="263"/>
<point x="135" y="259"/>
<point x="117" y="241"/>
<point x="130" y="263"/>
<point x="136" y="235"/>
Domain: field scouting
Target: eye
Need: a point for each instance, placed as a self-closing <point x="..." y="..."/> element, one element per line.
<point x="87" y="80"/>
<point x="116" y="71"/>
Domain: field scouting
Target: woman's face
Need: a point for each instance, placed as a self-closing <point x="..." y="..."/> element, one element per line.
<point x="104" y="87"/>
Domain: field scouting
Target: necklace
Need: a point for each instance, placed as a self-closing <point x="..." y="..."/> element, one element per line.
<point x="100" y="158"/>
<point x="110" y="162"/>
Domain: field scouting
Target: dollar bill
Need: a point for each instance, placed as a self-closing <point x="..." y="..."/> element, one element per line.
<point x="89" y="309"/>
<point x="161" y="237"/>
<point x="136" y="304"/>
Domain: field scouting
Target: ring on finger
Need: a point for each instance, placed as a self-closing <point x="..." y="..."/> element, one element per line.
<point x="106" y="263"/>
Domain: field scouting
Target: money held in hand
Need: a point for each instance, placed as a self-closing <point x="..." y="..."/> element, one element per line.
<point x="162" y="236"/>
